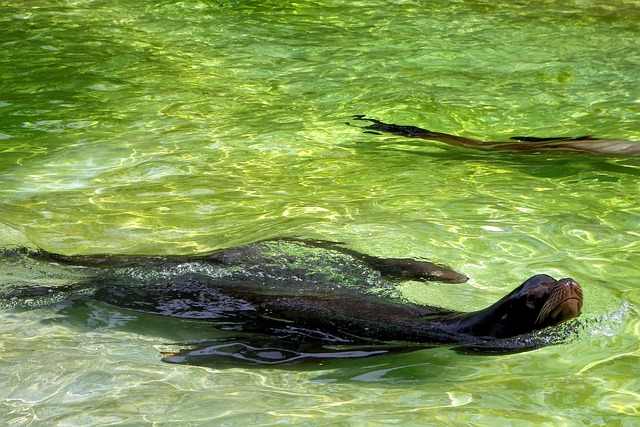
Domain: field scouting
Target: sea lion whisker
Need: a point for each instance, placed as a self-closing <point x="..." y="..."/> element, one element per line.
<point x="560" y="297"/>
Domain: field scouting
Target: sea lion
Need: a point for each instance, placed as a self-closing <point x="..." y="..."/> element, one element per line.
<point x="314" y="294"/>
<point x="527" y="144"/>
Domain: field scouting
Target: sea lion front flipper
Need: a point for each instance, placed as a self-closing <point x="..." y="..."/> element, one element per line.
<point x="400" y="130"/>
<point x="407" y="268"/>
<point x="421" y="133"/>
<point x="393" y="268"/>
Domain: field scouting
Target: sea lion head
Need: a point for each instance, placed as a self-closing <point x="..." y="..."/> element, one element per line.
<point x="542" y="301"/>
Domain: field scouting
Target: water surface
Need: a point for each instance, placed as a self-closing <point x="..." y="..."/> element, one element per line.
<point x="184" y="127"/>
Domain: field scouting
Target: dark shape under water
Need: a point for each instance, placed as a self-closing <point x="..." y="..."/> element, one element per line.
<point x="290" y="300"/>
<point x="527" y="144"/>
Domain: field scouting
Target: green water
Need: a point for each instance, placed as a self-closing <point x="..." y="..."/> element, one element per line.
<point x="183" y="127"/>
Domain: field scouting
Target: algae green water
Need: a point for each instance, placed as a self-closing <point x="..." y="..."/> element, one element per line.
<point x="173" y="127"/>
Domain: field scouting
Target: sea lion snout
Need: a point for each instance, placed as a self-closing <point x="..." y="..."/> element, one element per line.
<point x="570" y="290"/>
<point x="564" y="303"/>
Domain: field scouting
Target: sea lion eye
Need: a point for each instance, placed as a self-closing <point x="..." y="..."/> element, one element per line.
<point x="531" y="300"/>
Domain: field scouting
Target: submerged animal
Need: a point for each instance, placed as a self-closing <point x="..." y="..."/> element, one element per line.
<point x="586" y="144"/>
<point x="303" y="297"/>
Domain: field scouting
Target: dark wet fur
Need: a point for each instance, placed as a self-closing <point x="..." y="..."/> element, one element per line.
<point x="287" y="309"/>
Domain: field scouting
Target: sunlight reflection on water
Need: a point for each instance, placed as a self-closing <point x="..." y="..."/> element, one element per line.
<point x="186" y="127"/>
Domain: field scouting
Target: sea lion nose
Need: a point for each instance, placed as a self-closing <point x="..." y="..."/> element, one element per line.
<point x="572" y="288"/>
<point x="572" y="284"/>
